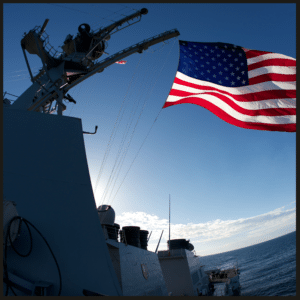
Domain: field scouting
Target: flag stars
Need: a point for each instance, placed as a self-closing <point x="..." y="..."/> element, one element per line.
<point x="210" y="62"/>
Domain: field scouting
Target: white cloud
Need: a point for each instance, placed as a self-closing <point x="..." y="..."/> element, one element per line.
<point x="214" y="236"/>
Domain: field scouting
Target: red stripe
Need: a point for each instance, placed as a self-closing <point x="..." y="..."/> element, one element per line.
<point x="254" y="53"/>
<point x="229" y="119"/>
<point x="256" y="96"/>
<point x="272" y="77"/>
<point x="244" y="111"/>
<point x="272" y="62"/>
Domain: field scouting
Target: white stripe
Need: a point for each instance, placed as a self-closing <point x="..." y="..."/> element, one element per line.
<point x="242" y="90"/>
<point x="263" y="57"/>
<point x="272" y="69"/>
<point x="290" y="119"/>
<point x="253" y="105"/>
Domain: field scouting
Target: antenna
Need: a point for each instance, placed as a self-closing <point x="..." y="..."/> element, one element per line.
<point x="149" y="236"/>
<point x="159" y="241"/>
<point x="169" y="219"/>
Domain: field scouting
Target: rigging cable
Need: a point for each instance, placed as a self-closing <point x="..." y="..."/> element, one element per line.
<point x="143" y="93"/>
<point x="112" y="136"/>
<point x="144" y="139"/>
<point x="126" y="131"/>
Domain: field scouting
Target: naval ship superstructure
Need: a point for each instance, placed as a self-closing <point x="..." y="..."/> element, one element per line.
<point x="56" y="242"/>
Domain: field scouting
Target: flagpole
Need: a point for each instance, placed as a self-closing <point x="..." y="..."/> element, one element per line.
<point x="169" y="221"/>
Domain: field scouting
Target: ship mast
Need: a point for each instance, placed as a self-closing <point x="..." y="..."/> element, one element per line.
<point x="77" y="62"/>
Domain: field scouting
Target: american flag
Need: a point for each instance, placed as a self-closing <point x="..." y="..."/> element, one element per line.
<point x="247" y="88"/>
<point x="121" y="62"/>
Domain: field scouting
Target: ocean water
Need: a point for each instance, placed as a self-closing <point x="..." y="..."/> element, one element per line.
<point x="266" y="269"/>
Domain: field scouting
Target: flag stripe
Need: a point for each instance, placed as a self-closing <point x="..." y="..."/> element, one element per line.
<point x="272" y="77"/>
<point x="272" y="62"/>
<point x="212" y="96"/>
<point x="253" y="105"/>
<point x="268" y="56"/>
<point x="231" y="120"/>
<point x="212" y="101"/>
<point x="232" y="104"/>
<point x="272" y="69"/>
<point x="262" y="91"/>
<point x="254" y="53"/>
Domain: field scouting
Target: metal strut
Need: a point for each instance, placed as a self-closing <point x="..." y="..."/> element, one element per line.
<point x="139" y="47"/>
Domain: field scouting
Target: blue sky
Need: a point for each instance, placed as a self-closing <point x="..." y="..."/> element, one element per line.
<point x="230" y="187"/>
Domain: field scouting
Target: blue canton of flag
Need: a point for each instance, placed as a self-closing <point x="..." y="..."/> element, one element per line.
<point x="219" y="63"/>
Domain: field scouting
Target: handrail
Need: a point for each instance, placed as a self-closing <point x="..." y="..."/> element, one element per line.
<point x="44" y="37"/>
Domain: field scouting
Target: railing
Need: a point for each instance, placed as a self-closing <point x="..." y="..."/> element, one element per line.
<point x="44" y="37"/>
